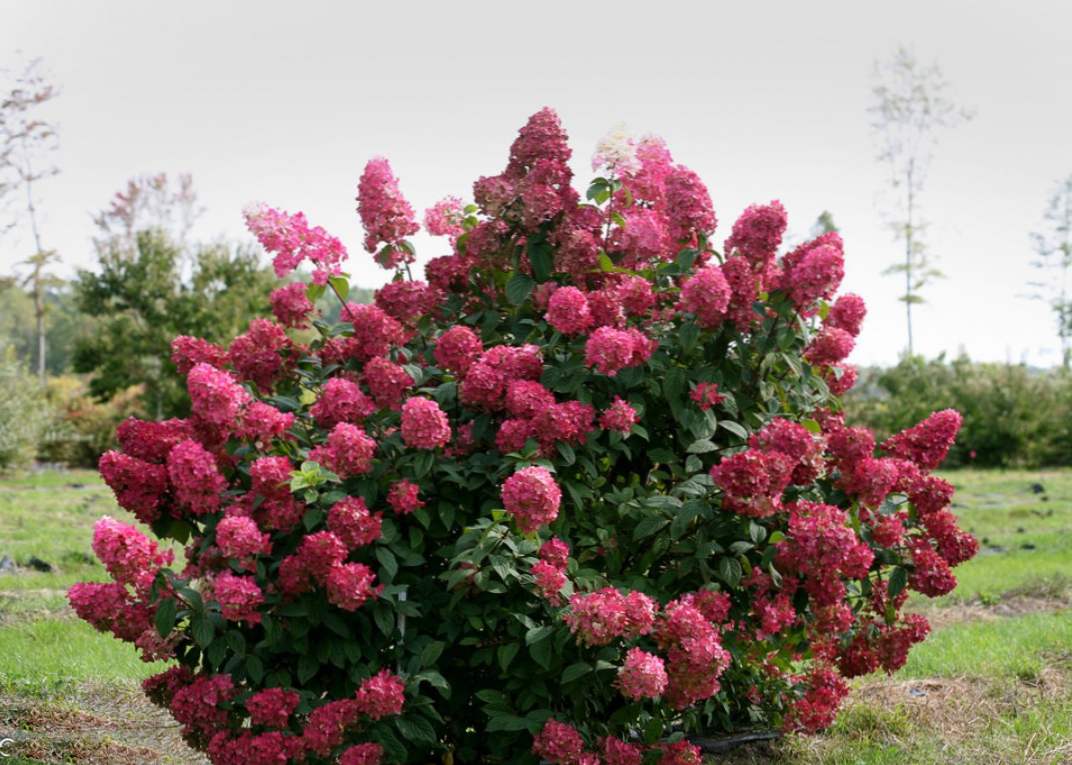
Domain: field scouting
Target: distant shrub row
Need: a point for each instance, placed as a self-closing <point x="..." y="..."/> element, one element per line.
<point x="58" y="422"/>
<point x="1013" y="415"/>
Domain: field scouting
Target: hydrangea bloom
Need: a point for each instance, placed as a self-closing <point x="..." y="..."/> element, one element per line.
<point x="291" y="306"/>
<point x="599" y="617"/>
<point x="532" y="497"/>
<point x="444" y="218"/>
<point x="558" y="742"/>
<point x="238" y="596"/>
<point x="611" y="350"/>
<point x="239" y="537"/>
<point x="706" y="395"/>
<point x="291" y="240"/>
<point x="195" y="477"/>
<point x="549" y="580"/>
<point x="616" y="151"/>
<point x="382" y="695"/>
<point x="567" y="311"/>
<point x="847" y="313"/>
<point x="369" y="753"/>
<point x="642" y="676"/>
<point x="752" y="481"/>
<point x="758" y="232"/>
<point x="424" y="424"/>
<point x="407" y="301"/>
<point x="341" y="401"/>
<point x="830" y="346"/>
<point x="457" y="349"/>
<point x="619" y="416"/>
<point x="188" y="352"/>
<point x="404" y="498"/>
<point x="387" y="381"/>
<point x="255" y="355"/>
<point x="707" y="295"/>
<point x="385" y="213"/>
<point x="349" y="519"/>
<point x="350" y="585"/>
<point x="688" y="205"/>
<point x="151" y="441"/>
<point x="138" y="486"/>
<point x="128" y="555"/>
<point x="215" y="396"/>
<point x="348" y="451"/>
<point x="927" y="443"/>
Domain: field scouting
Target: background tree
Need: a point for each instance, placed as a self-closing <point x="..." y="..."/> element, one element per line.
<point x="824" y="224"/>
<point x="27" y="145"/>
<point x="148" y="201"/>
<point x="910" y="107"/>
<point x="1053" y="250"/>
<point x="141" y="300"/>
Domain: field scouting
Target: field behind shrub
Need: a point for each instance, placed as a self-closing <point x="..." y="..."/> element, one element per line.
<point x="992" y="685"/>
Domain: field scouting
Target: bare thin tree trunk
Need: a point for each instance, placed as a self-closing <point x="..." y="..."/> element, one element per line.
<point x="909" y="242"/>
<point x="38" y="276"/>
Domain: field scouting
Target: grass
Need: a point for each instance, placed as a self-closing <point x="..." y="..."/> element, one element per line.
<point x="993" y="683"/>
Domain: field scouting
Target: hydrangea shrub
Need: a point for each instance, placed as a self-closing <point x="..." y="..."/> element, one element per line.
<point x="583" y="492"/>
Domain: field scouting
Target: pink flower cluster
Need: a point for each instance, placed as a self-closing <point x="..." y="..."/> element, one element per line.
<point x="549" y="572"/>
<point x="599" y="617"/>
<point x="424" y="424"/>
<point x="349" y="519"/>
<point x="291" y="240"/>
<point x="611" y="350"/>
<point x="348" y="451"/>
<point x="385" y="213"/>
<point x="532" y="497"/>
<point x="457" y="349"/>
<point x="642" y="676"/>
<point x="408" y="301"/>
<point x="695" y="656"/>
<point x="444" y="218"/>
<point x="619" y="416"/>
<point x="291" y="306"/>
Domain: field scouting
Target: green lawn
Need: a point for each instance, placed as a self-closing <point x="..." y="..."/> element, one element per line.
<point x="993" y="683"/>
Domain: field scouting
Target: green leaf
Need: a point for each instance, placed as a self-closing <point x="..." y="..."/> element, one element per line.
<point x="507" y="653"/>
<point x="202" y="629"/>
<point x="519" y="288"/>
<point x="165" y="616"/>
<point x="649" y="526"/>
<point x="254" y="668"/>
<point x="898" y="581"/>
<point x="341" y="285"/>
<point x="733" y="427"/>
<point x="537" y="634"/>
<point x="541" y="653"/>
<point x="701" y="446"/>
<point x="507" y="723"/>
<point x="575" y="671"/>
<point x="416" y="729"/>
<point x="541" y="260"/>
<point x="314" y="292"/>
<point x="431" y="653"/>
<point x="385" y="619"/>
<point x="308" y="666"/>
<point x="812" y="426"/>
<point x="387" y="560"/>
<point x="730" y="571"/>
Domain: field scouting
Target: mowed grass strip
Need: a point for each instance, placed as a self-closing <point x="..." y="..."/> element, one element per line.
<point x="48" y="655"/>
<point x="991" y="685"/>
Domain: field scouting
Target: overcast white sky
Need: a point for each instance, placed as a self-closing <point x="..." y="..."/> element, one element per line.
<point x="285" y="101"/>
